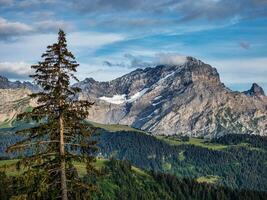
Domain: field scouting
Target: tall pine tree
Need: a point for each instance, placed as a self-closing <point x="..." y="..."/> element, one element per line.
<point x="61" y="136"/>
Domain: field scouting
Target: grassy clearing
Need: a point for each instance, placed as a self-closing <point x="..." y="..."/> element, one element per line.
<point x="115" y="127"/>
<point x="192" y="141"/>
<point x="208" y="179"/>
<point x="167" y="166"/>
<point x="139" y="171"/>
<point x="10" y="168"/>
<point x="181" y="156"/>
<point x="249" y="147"/>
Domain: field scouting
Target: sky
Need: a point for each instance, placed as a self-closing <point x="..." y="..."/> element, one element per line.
<point x="110" y="38"/>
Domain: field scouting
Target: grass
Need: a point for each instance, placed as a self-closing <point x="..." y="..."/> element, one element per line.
<point x="208" y="179"/>
<point x="114" y="127"/>
<point x="192" y="141"/>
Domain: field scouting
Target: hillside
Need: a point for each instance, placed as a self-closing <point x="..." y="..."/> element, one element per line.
<point x="238" y="164"/>
<point x="235" y="160"/>
<point x="120" y="180"/>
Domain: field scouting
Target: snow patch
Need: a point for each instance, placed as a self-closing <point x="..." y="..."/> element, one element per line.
<point x="164" y="78"/>
<point x="150" y="115"/>
<point x="120" y="99"/>
<point x="154" y="104"/>
<point x="116" y="99"/>
<point x="157" y="98"/>
<point x="137" y="95"/>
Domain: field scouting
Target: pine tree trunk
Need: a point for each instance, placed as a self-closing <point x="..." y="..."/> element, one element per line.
<point x="64" y="191"/>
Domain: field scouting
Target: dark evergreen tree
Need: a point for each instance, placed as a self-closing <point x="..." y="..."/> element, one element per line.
<point x="61" y="136"/>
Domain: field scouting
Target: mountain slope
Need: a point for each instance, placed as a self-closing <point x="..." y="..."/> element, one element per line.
<point x="188" y="99"/>
<point x="13" y="102"/>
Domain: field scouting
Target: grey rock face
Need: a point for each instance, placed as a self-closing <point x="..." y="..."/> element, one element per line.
<point x="188" y="99"/>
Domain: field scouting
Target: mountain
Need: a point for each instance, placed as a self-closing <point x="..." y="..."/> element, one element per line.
<point x="6" y="84"/>
<point x="187" y="99"/>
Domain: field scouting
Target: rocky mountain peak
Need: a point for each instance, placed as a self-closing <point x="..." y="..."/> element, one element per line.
<point x="187" y="99"/>
<point x="6" y="84"/>
<point x="89" y="80"/>
<point x="255" y="90"/>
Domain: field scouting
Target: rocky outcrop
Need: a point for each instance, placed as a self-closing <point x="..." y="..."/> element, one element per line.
<point x="255" y="90"/>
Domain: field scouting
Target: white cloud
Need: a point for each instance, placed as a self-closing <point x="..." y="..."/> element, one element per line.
<point x="6" y="2"/>
<point x="96" y="70"/>
<point x="30" y="47"/>
<point x="52" y="25"/>
<point x="31" y="3"/>
<point x="170" y="59"/>
<point x="93" y="39"/>
<point x="16" y="70"/>
<point x="8" y="29"/>
<point x="246" y="70"/>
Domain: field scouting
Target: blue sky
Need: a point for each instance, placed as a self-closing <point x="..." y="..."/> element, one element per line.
<point x="112" y="37"/>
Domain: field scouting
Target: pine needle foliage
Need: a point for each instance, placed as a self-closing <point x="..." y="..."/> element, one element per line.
<point x="61" y="136"/>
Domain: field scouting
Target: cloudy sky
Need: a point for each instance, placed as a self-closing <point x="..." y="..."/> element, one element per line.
<point x="112" y="37"/>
